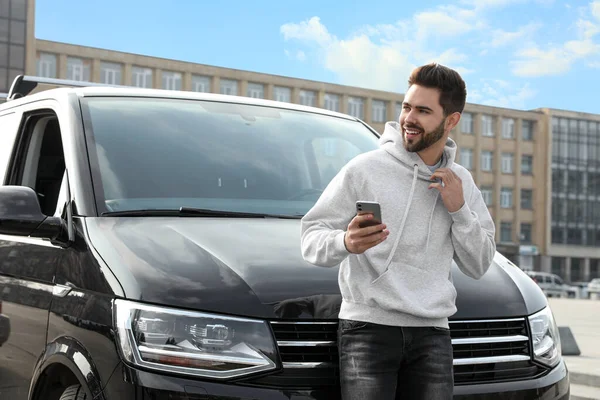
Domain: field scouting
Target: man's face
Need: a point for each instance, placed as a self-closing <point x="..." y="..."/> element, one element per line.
<point x="422" y="118"/>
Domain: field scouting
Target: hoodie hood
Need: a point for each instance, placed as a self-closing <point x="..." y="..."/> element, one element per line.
<point x="393" y="143"/>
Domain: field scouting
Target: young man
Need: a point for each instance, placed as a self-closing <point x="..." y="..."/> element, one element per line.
<point x="395" y="277"/>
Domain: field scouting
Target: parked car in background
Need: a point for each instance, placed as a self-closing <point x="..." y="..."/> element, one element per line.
<point x="553" y="285"/>
<point x="593" y="288"/>
<point x="150" y="248"/>
<point x="583" y="289"/>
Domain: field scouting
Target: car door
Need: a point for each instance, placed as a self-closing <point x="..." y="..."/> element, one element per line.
<point x="28" y="265"/>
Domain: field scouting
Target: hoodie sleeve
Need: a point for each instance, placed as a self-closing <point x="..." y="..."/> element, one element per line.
<point x="473" y="234"/>
<point x="325" y="224"/>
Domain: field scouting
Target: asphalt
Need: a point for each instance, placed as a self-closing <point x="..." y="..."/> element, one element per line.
<point x="582" y="317"/>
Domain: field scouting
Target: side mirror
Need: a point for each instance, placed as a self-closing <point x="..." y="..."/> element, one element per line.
<point x="21" y="214"/>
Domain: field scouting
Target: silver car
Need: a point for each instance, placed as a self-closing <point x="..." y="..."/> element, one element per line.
<point x="552" y="285"/>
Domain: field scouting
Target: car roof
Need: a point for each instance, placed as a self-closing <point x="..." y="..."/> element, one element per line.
<point x="125" y="91"/>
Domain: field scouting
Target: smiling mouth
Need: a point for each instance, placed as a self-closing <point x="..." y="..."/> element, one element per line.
<point x="410" y="132"/>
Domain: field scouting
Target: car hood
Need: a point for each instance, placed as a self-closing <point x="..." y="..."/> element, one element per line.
<point x="254" y="267"/>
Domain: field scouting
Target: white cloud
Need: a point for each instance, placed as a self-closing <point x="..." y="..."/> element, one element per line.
<point x="500" y="93"/>
<point x="535" y="62"/>
<point x="309" y="31"/>
<point x="558" y="59"/>
<point x="595" y="7"/>
<point x="298" y="55"/>
<point x="502" y="38"/>
<point x="382" y="56"/>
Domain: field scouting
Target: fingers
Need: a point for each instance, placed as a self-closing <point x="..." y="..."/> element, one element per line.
<point x="436" y="185"/>
<point x="445" y="174"/>
<point x="364" y="221"/>
<point x="358" y="239"/>
<point x="359" y="244"/>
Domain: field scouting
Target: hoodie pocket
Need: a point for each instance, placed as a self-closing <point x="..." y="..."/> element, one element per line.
<point x="414" y="291"/>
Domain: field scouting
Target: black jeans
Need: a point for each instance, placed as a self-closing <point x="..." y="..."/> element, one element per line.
<point x="380" y="362"/>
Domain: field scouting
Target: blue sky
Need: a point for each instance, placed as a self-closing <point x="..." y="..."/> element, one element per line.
<point x="521" y="54"/>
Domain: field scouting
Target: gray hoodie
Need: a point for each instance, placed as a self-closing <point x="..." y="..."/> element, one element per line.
<point x="406" y="279"/>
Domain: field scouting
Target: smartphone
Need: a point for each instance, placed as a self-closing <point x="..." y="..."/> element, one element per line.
<point x="369" y="207"/>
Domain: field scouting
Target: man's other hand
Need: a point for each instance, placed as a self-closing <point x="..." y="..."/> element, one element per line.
<point x="358" y="240"/>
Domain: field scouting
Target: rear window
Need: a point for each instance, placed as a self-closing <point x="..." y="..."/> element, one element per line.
<point x="166" y="153"/>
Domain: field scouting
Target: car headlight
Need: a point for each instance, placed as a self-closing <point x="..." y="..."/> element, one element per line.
<point x="546" y="339"/>
<point x="193" y="343"/>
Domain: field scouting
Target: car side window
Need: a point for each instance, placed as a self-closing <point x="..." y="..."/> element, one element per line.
<point x="39" y="161"/>
<point x="558" y="280"/>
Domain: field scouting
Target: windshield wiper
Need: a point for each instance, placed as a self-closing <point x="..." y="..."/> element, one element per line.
<point x="195" y="212"/>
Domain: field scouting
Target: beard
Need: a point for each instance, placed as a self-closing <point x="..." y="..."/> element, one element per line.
<point x="426" y="139"/>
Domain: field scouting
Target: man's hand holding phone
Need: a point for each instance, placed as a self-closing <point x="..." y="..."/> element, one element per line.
<point x="359" y="239"/>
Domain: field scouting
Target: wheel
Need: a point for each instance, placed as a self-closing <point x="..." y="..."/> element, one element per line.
<point x="74" y="392"/>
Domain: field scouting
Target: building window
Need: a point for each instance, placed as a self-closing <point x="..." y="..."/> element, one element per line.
<point x="308" y="98"/>
<point x="171" y="80"/>
<point x="110" y="73"/>
<point x="256" y="90"/>
<point x="46" y="65"/>
<point x="506" y="195"/>
<point x="355" y="107"/>
<point x="525" y="236"/>
<point x="488" y="195"/>
<point x="229" y="87"/>
<point x="487" y="125"/>
<point x="378" y="111"/>
<point x="201" y="83"/>
<point x="466" y="158"/>
<point x="141" y="77"/>
<point x="527" y="130"/>
<point x="508" y="128"/>
<point x="507" y="163"/>
<point x="526" y="199"/>
<point x="18" y="9"/>
<point x="283" y="94"/>
<point x="506" y="232"/>
<point x="332" y="102"/>
<point x="527" y="164"/>
<point x="78" y="69"/>
<point x="17" y="31"/>
<point x="466" y="123"/>
<point x="487" y="161"/>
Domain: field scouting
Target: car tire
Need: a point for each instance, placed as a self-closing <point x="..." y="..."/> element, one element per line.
<point x="74" y="392"/>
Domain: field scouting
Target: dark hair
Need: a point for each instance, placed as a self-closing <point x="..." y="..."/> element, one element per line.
<point x="453" y="91"/>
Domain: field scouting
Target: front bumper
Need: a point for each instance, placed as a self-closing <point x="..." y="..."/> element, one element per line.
<point x="142" y="385"/>
<point x="4" y="328"/>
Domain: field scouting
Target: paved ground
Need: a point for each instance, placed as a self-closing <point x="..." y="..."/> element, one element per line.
<point x="583" y="318"/>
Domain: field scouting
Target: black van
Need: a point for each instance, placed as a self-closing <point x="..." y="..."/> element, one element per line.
<point x="149" y="249"/>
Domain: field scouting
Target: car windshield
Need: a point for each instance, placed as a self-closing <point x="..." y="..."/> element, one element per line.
<point x="164" y="154"/>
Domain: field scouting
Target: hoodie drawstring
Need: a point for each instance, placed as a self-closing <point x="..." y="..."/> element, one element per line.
<point x="410" y="196"/>
<point x="437" y="196"/>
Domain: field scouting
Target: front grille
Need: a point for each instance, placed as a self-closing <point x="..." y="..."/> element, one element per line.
<point x="491" y="351"/>
<point x="484" y="352"/>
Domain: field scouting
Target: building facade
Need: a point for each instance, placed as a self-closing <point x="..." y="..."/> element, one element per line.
<point x="516" y="157"/>
<point x="16" y="39"/>
<point x="573" y="237"/>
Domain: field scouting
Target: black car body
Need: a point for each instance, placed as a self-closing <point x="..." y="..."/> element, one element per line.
<point x="149" y="249"/>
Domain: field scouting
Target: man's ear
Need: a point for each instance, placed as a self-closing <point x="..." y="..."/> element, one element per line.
<point x="452" y="120"/>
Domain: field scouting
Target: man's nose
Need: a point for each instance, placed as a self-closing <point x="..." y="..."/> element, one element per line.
<point x="411" y="117"/>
